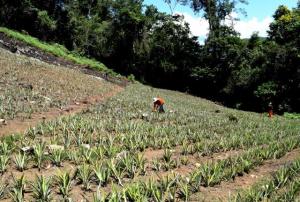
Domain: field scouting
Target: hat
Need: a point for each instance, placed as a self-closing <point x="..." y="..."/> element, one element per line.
<point x="155" y="99"/>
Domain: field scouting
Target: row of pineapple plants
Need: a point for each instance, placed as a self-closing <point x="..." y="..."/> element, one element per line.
<point x="105" y="150"/>
<point x="117" y="127"/>
<point x="115" y="170"/>
<point x="283" y="185"/>
<point x="42" y="189"/>
<point x="175" y="186"/>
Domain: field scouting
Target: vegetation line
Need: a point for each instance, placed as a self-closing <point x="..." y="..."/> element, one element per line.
<point x="57" y="50"/>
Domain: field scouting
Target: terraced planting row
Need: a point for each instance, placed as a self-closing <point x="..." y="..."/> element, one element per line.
<point x="121" y="151"/>
<point x="284" y="185"/>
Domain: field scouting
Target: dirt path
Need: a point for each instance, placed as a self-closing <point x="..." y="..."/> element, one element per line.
<point x="21" y="125"/>
<point x="223" y="191"/>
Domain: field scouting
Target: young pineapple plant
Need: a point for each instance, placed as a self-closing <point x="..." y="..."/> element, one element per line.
<point x="290" y="193"/>
<point x="99" y="197"/>
<point x="195" y="181"/>
<point x="134" y="192"/>
<point x="87" y="155"/>
<point x="4" y="160"/>
<point x="42" y="189"/>
<point x="128" y="165"/>
<point x="168" y="162"/>
<point x="211" y="174"/>
<point x="39" y="154"/>
<point x="184" y="189"/>
<point x="98" y="152"/>
<point x="17" y="195"/>
<point x="57" y="157"/>
<point x="84" y="175"/>
<point x="116" y="171"/>
<point x="281" y="177"/>
<point x="156" y="165"/>
<point x="74" y="156"/>
<point x="18" y="190"/>
<point x="185" y="148"/>
<point x="4" y="148"/>
<point x="21" y="161"/>
<point x="168" y="186"/>
<point x="102" y="174"/>
<point x="64" y="182"/>
<point x="184" y="160"/>
<point x="140" y="162"/>
<point x="2" y="189"/>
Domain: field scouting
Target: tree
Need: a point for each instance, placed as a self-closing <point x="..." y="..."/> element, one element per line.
<point x="286" y="26"/>
<point x="215" y="11"/>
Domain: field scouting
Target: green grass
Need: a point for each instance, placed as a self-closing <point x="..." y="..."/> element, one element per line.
<point x="57" y="50"/>
<point x="291" y="115"/>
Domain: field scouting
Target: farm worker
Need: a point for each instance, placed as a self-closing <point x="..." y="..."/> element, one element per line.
<point x="270" y="110"/>
<point x="158" y="104"/>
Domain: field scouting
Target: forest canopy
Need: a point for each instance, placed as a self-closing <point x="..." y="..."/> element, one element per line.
<point x="159" y="49"/>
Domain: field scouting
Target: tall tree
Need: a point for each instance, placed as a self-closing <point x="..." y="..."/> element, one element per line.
<point x="215" y="11"/>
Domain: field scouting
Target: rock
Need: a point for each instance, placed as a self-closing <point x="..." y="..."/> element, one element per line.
<point x="13" y="49"/>
<point x="2" y="122"/>
<point x="53" y="147"/>
<point x="145" y="116"/>
<point x="121" y="155"/>
<point x="47" y="99"/>
<point x="48" y="166"/>
<point x="87" y="146"/>
<point x="67" y="109"/>
<point x="77" y="103"/>
<point x="27" y="149"/>
<point x="25" y="85"/>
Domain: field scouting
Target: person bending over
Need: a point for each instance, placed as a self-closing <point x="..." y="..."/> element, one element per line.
<point x="158" y="104"/>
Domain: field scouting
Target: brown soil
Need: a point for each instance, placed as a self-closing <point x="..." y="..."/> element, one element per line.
<point x="223" y="191"/>
<point x="31" y="174"/>
<point x="182" y="170"/>
<point x="21" y="125"/>
<point x="151" y="154"/>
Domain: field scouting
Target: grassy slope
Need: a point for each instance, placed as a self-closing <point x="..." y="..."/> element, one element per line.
<point x="56" y="50"/>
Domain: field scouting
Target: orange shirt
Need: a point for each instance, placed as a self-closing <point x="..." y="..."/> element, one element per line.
<point x="160" y="101"/>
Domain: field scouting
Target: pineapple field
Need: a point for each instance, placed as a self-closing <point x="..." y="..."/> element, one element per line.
<point x="119" y="150"/>
<point x="84" y="116"/>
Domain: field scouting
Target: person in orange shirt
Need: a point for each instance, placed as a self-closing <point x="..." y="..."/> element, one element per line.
<point x="270" y="110"/>
<point x="158" y="104"/>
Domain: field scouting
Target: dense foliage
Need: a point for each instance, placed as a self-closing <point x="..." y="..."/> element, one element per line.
<point x="157" y="48"/>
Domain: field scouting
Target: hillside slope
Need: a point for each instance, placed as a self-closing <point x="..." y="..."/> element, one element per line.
<point x="120" y="148"/>
<point x="29" y="86"/>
